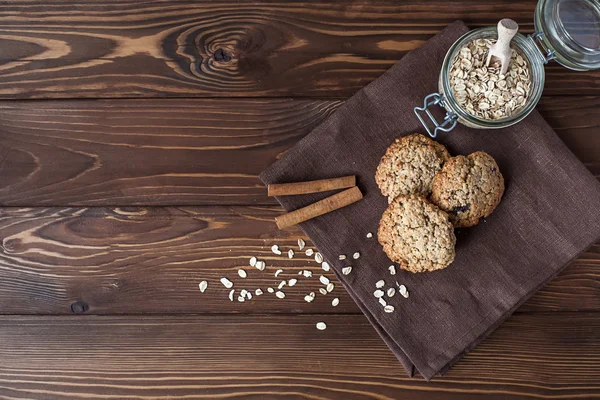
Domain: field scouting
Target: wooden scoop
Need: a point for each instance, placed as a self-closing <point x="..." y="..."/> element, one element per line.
<point x="507" y="29"/>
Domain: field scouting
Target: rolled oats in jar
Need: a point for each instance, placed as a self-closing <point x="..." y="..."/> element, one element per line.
<point x="484" y="92"/>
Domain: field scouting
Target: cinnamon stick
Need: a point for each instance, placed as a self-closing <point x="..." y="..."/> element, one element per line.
<point x="322" y="185"/>
<point x="324" y="206"/>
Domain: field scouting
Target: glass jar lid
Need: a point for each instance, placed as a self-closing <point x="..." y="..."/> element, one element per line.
<point x="570" y="32"/>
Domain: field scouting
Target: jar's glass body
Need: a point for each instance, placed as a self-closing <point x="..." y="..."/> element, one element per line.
<point x="526" y="47"/>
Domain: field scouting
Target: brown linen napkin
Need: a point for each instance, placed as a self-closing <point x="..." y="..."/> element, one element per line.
<point x="549" y="214"/>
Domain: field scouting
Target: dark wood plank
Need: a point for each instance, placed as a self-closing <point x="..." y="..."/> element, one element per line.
<point x="151" y="260"/>
<point x="147" y="152"/>
<point x="66" y="49"/>
<point x="184" y="152"/>
<point x="530" y="355"/>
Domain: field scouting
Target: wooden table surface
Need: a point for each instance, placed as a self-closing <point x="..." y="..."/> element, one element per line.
<point x="131" y="137"/>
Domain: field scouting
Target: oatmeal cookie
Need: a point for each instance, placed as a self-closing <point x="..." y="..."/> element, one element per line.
<point x="416" y="234"/>
<point x="409" y="165"/>
<point x="468" y="188"/>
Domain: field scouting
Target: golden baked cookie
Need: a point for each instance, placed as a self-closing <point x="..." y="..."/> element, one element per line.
<point x="409" y="165"/>
<point x="468" y="188"/>
<point x="416" y="234"/>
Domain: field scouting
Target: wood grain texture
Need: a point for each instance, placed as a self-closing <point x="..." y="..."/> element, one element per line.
<point x="147" y="152"/>
<point x="68" y="49"/>
<point x="152" y="172"/>
<point x="151" y="260"/>
<point x="530" y="356"/>
<point x="184" y="152"/>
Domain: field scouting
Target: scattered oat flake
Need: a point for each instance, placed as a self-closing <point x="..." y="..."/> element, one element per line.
<point x="291" y="253"/>
<point x="249" y="296"/>
<point x="307" y="273"/>
<point x="341" y="257"/>
<point x="324" y="280"/>
<point x="346" y="270"/>
<point x="380" y="284"/>
<point x="300" y="272"/>
<point x="392" y="270"/>
<point x="301" y="244"/>
<point x="318" y="257"/>
<point x="275" y="249"/>
<point x="308" y="298"/>
<point x="330" y="287"/>
<point x="260" y="265"/>
<point x="280" y="294"/>
<point x="391" y="292"/>
<point x="292" y="282"/>
<point x="356" y="255"/>
<point x="241" y="299"/>
<point x="270" y="290"/>
<point x="231" y="294"/>
<point x="227" y="283"/>
<point x="404" y="291"/>
<point x="325" y="266"/>
<point x="309" y="252"/>
<point x="242" y="273"/>
<point x="258" y="292"/>
<point x="369" y="235"/>
<point x="321" y="326"/>
<point x="323" y="291"/>
<point x="243" y="292"/>
<point x="388" y="308"/>
<point x="378" y="293"/>
<point x="382" y="301"/>
<point x="253" y="261"/>
<point x="335" y="302"/>
<point x="281" y="284"/>
<point x="203" y="285"/>
<point x="278" y="272"/>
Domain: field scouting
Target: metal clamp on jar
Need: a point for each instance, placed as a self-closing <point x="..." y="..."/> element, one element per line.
<point x="567" y="31"/>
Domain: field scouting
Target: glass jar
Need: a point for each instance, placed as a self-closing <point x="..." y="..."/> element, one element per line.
<point x="567" y="31"/>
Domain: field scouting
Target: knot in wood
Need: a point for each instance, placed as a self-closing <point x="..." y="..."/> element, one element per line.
<point x="221" y="56"/>
<point x="79" y="307"/>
